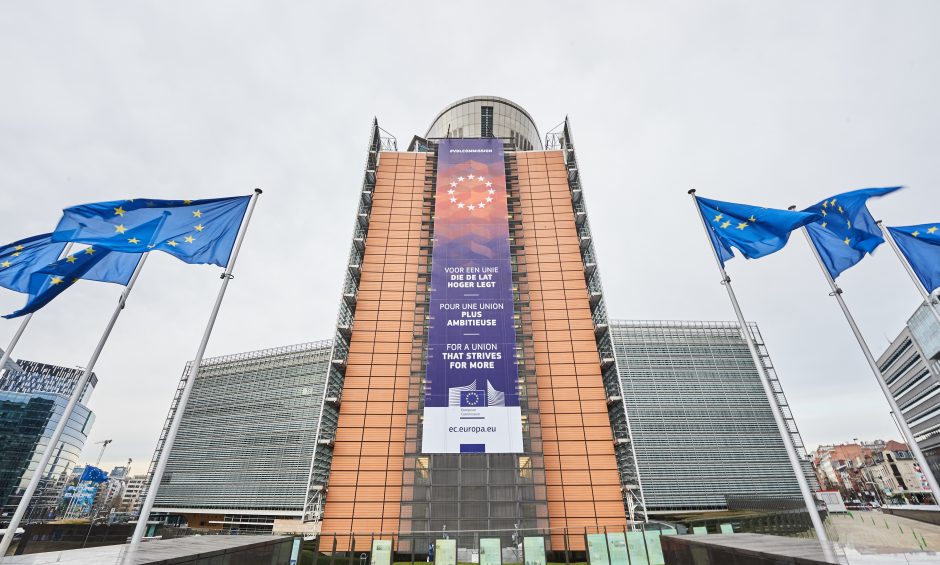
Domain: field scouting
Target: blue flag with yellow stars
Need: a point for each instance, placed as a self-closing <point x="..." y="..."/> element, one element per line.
<point x="91" y="263"/>
<point x="846" y="230"/>
<point x="194" y="231"/>
<point x="752" y="230"/>
<point x="22" y="258"/>
<point x="920" y="245"/>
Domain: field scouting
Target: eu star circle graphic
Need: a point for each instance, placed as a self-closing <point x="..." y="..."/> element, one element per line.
<point x="460" y="193"/>
<point x="473" y="399"/>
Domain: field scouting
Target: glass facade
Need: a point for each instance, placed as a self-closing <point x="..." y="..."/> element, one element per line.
<point x="487" y="116"/>
<point x="32" y="376"/>
<point x="702" y="427"/>
<point x="910" y="368"/>
<point x="27" y="421"/>
<point x="247" y="436"/>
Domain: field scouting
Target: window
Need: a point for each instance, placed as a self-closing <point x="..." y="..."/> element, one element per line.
<point x="486" y="121"/>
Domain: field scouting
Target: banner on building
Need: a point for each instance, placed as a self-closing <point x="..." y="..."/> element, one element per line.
<point x="471" y="402"/>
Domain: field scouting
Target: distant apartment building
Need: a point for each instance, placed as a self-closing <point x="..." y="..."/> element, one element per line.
<point x="131" y="498"/>
<point x="840" y="466"/>
<point x="910" y="366"/>
<point x="699" y="421"/>
<point x="244" y="450"/>
<point x="896" y="473"/>
<point x="33" y="398"/>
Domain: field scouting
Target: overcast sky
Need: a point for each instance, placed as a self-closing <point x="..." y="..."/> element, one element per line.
<point x="770" y="103"/>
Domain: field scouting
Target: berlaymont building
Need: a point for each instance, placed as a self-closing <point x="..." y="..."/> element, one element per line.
<point x="475" y="385"/>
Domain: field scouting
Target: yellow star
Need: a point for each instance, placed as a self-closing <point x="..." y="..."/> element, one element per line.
<point x="120" y="228"/>
<point x="197" y="214"/>
<point x="172" y="243"/>
<point x="187" y="201"/>
<point x="840" y="209"/>
<point x="849" y="222"/>
<point x="742" y="225"/>
<point x="189" y="239"/>
<point x="847" y="241"/>
<point x="932" y="229"/>
<point x="824" y="213"/>
<point x="90" y="251"/>
<point x="15" y="254"/>
<point x="752" y="219"/>
<point x="133" y="241"/>
<point x="71" y="259"/>
<point x="823" y="224"/>
<point x="200" y="227"/>
<point x="5" y="264"/>
<point x="825" y="204"/>
<point x="56" y="280"/>
<point x="119" y="211"/>
<point x="725" y="225"/>
<point x="832" y="202"/>
<point x="19" y="248"/>
<point x="718" y="218"/>
<point x="915" y="233"/>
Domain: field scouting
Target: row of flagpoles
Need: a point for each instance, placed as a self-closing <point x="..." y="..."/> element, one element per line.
<point x="840" y="231"/>
<point x="119" y="236"/>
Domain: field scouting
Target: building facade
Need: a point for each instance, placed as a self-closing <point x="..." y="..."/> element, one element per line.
<point x="371" y="473"/>
<point x="32" y="402"/>
<point x="910" y="366"/>
<point x="701" y="423"/>
<point x="131" y="500"/>
<point x="243" y="452"/>
<point x="895" y="472"/>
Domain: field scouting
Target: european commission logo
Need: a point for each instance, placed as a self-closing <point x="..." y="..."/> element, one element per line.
<point x="472" y="399"/>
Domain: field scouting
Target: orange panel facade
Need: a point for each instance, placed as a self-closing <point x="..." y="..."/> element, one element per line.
<point x="365" y="481"/>
<point x="582" y="480"/>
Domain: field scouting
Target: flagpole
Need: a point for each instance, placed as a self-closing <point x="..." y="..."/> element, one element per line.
<point x="905" y="429"/>
<point x="184" y="397"/>
<point x="928" y="299"/>
<point x="64" y="420"/>
<point x="8" y="352"/>
<point x="16" y="338"/>
<point x="805" y="491"/>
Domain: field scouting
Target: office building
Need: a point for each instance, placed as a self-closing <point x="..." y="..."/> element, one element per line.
<point x="701" y="425"/>
<point x="910" y="366"/>
<point x="243" y="452"/>
<point x="472" y="388"/>
<point x="32" y="401"/>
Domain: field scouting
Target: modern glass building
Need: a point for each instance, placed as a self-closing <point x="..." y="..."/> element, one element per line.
<point x="702" y="427"/>
<point x="910" y="366"/>
<point x="243" y="452"/>
<point x="32" y="402"/>
<point x="371" y="472"/>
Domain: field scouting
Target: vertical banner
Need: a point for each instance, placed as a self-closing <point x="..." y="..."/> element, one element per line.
<point x="471" y="402"/>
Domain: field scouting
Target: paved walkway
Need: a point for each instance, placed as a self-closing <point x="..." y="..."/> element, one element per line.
<point x="875" y="529"/>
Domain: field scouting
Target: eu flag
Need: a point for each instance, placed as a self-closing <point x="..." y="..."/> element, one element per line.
<point x="472" y="398"/>
<point x="194" y="231"/>
<point x="91" y="263"/>
<point x="920" y="245"/>
<point x="752" y="230"/>
<point x="93" y="474"/>
<point x="22" y="258"/>
<point x="846" y="230"/>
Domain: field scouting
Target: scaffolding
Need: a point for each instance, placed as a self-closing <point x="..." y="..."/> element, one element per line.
<point x="379" y="140"/>
<point x="631" y="487"/>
